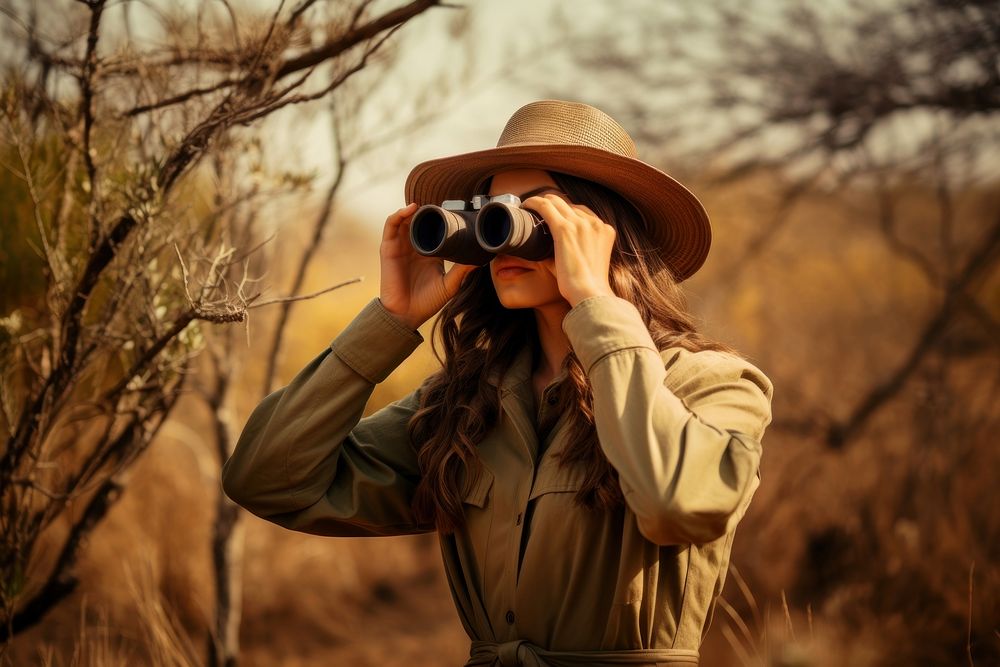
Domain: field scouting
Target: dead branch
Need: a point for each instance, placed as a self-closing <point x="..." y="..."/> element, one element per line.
<point x="354" y="37"/>
<point x="313" y="295"/>
<point x="180" y="98"/>
<point x="976" y="267"/>
<point x="86" y="113"/>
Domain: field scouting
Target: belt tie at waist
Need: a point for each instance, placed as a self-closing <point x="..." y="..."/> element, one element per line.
<point x="507" y="653"/>
<point x="522" y="653"/>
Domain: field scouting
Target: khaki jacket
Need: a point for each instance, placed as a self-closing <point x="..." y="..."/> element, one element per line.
<point x="636" y="586"/>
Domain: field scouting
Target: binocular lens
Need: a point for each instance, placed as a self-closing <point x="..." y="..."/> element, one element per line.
<point x="494" y="227"/>
<point x="427" y="230"/>
<point x="511" y="230"/>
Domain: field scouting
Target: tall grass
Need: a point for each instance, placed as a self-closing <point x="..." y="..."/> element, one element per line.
<point x="162" y="641"/>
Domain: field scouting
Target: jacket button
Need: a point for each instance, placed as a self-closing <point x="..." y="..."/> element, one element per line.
<point x="510" y="617"/>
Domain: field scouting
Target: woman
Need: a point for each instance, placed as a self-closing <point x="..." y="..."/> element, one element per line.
<point x="584" y="454"/>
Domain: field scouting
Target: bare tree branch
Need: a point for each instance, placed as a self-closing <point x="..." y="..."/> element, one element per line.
<point x="87" y="113"/>
<point x="313" y="295"/>
<point x="356" y="36"/>
<point x="978" y="265"/>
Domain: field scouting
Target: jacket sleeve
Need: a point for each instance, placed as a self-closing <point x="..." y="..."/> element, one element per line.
<point x="307" y="461"/>
<point x="682" y="429"/>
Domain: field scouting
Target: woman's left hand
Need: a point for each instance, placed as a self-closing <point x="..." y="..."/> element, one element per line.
<point x="583" y="244"/>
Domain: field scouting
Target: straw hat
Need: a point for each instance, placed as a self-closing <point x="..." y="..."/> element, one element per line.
<point x="582" y="141"/>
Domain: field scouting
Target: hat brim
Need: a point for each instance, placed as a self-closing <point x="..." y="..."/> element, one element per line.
<point x="676" y="220"/>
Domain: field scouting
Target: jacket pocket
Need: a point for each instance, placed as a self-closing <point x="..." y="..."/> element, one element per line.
<point x="552" y="477"/>
<point x="478" y="510"/>
<point x="478" y="492"/>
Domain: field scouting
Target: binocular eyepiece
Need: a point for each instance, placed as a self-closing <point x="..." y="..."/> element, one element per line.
<point x="473" y="232"/>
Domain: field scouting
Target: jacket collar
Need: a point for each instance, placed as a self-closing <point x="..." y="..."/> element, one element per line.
<point x="516" y="375"/>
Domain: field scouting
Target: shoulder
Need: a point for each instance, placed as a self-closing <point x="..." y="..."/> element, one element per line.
<point x="689" y="372"/>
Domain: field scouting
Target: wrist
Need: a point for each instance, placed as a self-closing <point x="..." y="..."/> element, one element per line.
<point x="408" y="322"/>
<point x="401" y="318"/>
<point x="575" y="296"/>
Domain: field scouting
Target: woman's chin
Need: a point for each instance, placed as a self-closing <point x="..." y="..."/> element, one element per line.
<point x="521" y="293"/>
<point x="515" y="299"/>
<point x="516" y="304"/>
<point x="524" y="300"/>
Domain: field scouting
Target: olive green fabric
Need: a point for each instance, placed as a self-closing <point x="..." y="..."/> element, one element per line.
<point x="633" y="586"/>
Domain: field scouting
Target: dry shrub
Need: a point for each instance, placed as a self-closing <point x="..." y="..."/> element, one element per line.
<point x="163" y="636"/>
<point x="94" y="646"/>
<point x="144" y="573"/>
<point x="876" y="539"/>
<point x="306" y="599"/>
<point x="155" y="635"/>
<point x="766" y="634"/>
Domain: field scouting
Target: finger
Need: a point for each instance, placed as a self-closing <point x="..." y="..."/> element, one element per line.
<point x="586" y="209"/>
<point x="564" y="207"/>
<point x="392" y="223"/>
<point x="583" y="213"/>
<point x="549" y="264"/>
<point x="545" y="208"/>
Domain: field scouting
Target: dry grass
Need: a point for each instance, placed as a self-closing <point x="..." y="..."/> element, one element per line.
<point x="161" y="640"/>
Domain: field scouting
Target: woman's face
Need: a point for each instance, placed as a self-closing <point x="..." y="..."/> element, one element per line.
<point x="521" y="283"/>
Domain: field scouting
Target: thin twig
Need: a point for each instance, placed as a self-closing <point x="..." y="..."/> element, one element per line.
<point x="307" y="296"/>
<point x="87" y="114"/>
<point x="968" y="635"/>
<point x="293" y="19"/>
<point x="740" y="624"/>
<point x="180" y="98"/>
<point x="788" y="615"/>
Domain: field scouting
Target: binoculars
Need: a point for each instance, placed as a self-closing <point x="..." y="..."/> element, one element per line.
<point x="473" y="232"/>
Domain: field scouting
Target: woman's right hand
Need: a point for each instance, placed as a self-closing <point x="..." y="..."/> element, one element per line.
<point x="413" y="287"/>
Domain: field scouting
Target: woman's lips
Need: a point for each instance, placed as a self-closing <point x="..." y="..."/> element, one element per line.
<point x="511" y="272"/>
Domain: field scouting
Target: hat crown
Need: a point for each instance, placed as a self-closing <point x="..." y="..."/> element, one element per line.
<point x="566" y="123"/>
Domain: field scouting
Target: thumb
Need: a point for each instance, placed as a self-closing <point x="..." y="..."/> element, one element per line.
<point x="456" y="276"/>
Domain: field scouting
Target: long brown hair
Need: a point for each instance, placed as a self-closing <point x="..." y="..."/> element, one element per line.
<point x="480" y="339"/>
